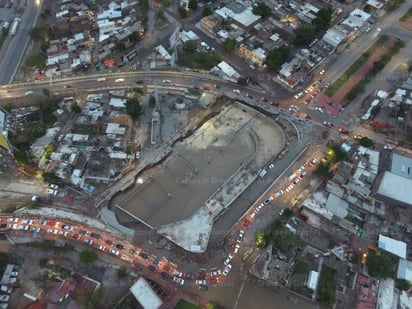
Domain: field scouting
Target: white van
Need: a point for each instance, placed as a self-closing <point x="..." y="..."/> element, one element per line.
<point x="298" y="95"/>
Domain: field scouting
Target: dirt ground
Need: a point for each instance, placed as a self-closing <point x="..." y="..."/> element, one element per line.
<point x="361" y="73"/>
<point x="407" y="24"/>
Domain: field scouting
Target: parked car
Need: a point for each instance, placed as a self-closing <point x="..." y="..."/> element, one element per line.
<point x="227" y="270"/>
<point x="165" y="275"/>
<point x="151" y="268"/>
<point x="26" y="221"/>
<point x="88" y="241"/>
<point x="6" y="289"/>
<point x="13" y="220"/>
<point x="189" y="276"/>
<point x="237" y="91"/>
<point x="114" y="252"/>
<point x="143" y="255"/>
<point x="119" y="246"/>
<point x="203" y="287"/>
<point x="102" y="248"/>
<point x="215" y="273"/>
<point x="14" y="273"/>
<point x="237" y="248"/>
<point x="201" y="282"/>
<point x="4" y="298"/>
<point x="227" y="260"/>
<point x="165" y="267"/>
<point x="240" y="236"/>
<point x="68" y="227"/>
<point x="178" y="281"/>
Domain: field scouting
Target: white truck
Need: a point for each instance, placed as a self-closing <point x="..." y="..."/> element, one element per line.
<point x="14" y="26"/>
<point x="262" y="173"/>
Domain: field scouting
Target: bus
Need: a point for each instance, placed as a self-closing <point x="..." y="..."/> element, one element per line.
<point x="131" y="55"/>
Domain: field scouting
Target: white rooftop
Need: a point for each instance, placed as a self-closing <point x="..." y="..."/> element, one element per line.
<point x="356" y="19"/>
<point x="245" y="18"/>
<point x="396" y="247"/>
<point x="386" y="295"/>
<point x="227" y="69"/>
<point x="144" y="294"/>
<point x="312" y="281"/>
<point x="333" y="37"/>
<point x="375" y="4"/>
<point x="405" y="270"/>
<point x="396" y="187"/>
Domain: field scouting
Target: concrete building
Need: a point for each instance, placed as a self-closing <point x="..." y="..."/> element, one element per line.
<point x="145" y="295"/>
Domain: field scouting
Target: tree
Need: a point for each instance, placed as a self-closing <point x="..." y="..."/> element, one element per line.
<point x="98" y="297"/>
<point x="88" y="256"/>
<point x="182" y="12"/>
<point x="366" y="142"/>
<point x="193" y="4"/>
<point x="121" y="46"/>
<point x="76" y="109"/>
<point x="327" y="294"/>
<point x="379" y="266"/>
<point x="261" y="9"/>
<point x="404" y="285"/>
<point x="207" y="11"/>
<point x="277" y="57"/>
<point x="287" y="213"/>
<point x="49" y="177"/>
<point x="21" y="157"/>
<point x="322" y="169"/>
<point x="261" y="240"/>
<point x="243" y="80"/>
<point x="152" y="101"/>
<point x="304" y="34"/>
<point x="133" y="108"/>
<point x="336" y="153"/>
<point x="166" y="3"/>
<point x="323" y="19"/>
<point x="134" y="36"/>
<point x="229" y="44"/>
<point x="122" y="272"/>
<point x="283" y="239"/>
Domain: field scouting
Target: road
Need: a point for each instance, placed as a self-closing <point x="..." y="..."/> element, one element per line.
<point x="15" y="51"/>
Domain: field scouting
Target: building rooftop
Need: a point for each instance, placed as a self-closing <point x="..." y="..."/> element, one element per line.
<point x="386" y="295"/>
<point x="334" y="37"/>
<point x="401" y="165"/>
<point x="404" y="270"/>
<point x="356" y="19"/>
<point x="396" y="187"/>
<point x="145" y="295"/>
<point x="396" y="247"/>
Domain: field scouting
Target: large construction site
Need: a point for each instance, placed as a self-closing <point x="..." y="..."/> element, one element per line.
<point x="184" y="194"/>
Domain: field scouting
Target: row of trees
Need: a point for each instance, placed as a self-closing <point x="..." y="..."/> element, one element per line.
<point x="306" y="33"/>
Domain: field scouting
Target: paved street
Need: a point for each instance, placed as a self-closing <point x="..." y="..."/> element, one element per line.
<point x="17" y="46"/>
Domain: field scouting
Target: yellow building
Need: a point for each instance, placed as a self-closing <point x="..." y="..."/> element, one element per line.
<point x="255" y="55"/>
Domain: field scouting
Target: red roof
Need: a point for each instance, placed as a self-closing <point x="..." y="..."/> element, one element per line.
<point x="37" y="304"/>
<point x="64" y="288"/>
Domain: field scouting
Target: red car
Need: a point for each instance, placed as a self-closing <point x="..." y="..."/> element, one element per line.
<point x="206" y="88"/>
<point x="166" y="267"/>
<point x="76" y="236"/>
<point x="109" y="242"/>
<point x="51" y="223"/>
<point x="212" y="280"/>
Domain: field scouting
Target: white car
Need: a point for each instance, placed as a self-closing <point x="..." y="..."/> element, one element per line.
<point x="240" y="236"/>
<point x="29" y="92"/>
<point x="227" y="260"/>
<point x="280" y="213"/>
<point x="14" y="273"/>
<point x="279" y="193"/>
<point x="114" y="252"/>
<point x="298" y="95"/>
<point x="319" y="109"/>
<point x="63" y="233"/>
<point x="301" y="169"/>
<point x="227" y="270"/>
<point x="237" y="248"/>
<point x="215" y="273"/>
<point x="322" y="72"/>
<point x="270" y="166"/>
<point x="26" y="221"/>
<point x="5" y="289"/>
<point x="53" y="186"/>
<point x="179" y="281"/>
<point x="36" y="229"/>
<point x="52" y="231"/>
<point x="253" y="214"/>
<point x="68" y="227"/>
<point x="260" y="206"/>
<point x="24" y="227"/>
<point x="167" y="81"/>
<point x="289" y="188"/>
<point x="200" y="282"/>
<point x="237" y="91"/>
<point x="119" y="80"/>
<point x="13" y="220"/>
<point x="102" y="248"/>
<point x="101" y="79"/>
<point x="51" y="192"/>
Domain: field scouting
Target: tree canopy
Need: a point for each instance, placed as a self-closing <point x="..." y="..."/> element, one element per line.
<point x="283" y="239"/>
<point x="229" y="44"/>
<point x="261" y="9"/>
<point x="277" y="57"/>
<point x="323" y="19"/>
<point x="193" y="4"/>
<point x="207" y="11"/>
<point x="379" y="266"/>
<point x="133" y="108"/>
<point x="306" y="33"/>
<point x="366" y="142"/>
<point x="88" y="256"/>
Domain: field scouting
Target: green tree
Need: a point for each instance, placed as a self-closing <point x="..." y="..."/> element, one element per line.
<point x="88" y="256"/>
<point x="3" y="261"/>
<point x="133" y="108"/>
<point x="21" y="157"/>
<point x="261" y="240"/>
<point x="283" y="239"/>
<point x="277" y="57"/>
<point x="261" y="9"/>
<point x="207" y="11"/>
<point x="304" y="34"/>
<point x="152" y="101"/>
<point x="34" y="129"/>
<point x="287" y="214"/>
<point x="243" y="80"/>
<point x="121" y="46"/>
<point x="229" y="44"/>
<point x="76" y="109"/>
<point x="98" y="297"/>
<point x="49" y="177"/>
<point x="322" y="169"/>
<point x="323" y="19"/>
<point x="379" y="266"/>
<point x="193" y="4"/>
<point x="336" y="153"/>
<point x="404" y="285"/>
<point x="135" y="36"/>
<point x="122" y="272"/>
<point x="182" y="12"/>
<point x="327" y="294"/>
<point x="366" y="142"/>
<point x="166" y="3"/>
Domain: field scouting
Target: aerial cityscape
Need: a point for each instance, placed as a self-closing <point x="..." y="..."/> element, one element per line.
<point x="205" y="154"/>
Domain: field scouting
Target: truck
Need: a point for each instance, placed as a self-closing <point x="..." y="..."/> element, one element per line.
<point x="14" y="26"/>
<point x="262" y="173"/>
